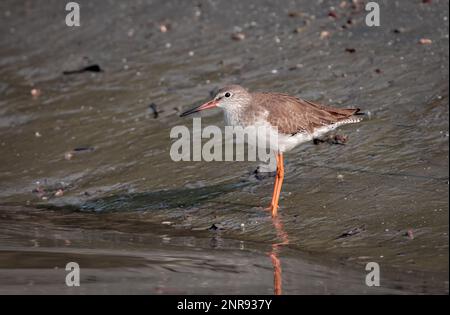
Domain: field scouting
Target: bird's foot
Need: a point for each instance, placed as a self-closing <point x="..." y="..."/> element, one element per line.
<point x="331" y="139"/>
<point x="273" y="209"/>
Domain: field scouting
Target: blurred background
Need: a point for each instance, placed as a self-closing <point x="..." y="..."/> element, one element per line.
<point x="86" y="176"/>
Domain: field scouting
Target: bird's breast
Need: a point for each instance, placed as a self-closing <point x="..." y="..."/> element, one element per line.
<point x="232" y="118"/>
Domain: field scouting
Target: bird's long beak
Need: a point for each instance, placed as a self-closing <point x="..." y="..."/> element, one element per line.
<point x="210" y="104"/>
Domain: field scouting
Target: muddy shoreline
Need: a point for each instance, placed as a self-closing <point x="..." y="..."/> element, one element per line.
<point x="85" y="165"/>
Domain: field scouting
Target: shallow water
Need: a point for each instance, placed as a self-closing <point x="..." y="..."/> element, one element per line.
<point x="141" y="223"/>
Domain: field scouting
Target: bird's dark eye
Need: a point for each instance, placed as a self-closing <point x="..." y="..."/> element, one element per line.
<point x="228" y="94"/>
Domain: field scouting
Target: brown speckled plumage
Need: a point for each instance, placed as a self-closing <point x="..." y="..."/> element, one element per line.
<point x="292" y="115"/>
<point x="288" y="114"/>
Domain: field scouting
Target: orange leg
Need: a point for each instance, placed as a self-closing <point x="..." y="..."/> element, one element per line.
<point x="280" y="175"/>
<point x="277" y="285"/>
<point x="277" y="186"/>
<point x="274" y="255"/>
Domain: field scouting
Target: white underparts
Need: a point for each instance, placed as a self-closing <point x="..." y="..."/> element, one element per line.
<point x="288" y="142"/>
<point x="285" y="142"/>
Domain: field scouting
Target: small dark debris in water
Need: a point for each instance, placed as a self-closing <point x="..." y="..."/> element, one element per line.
<point x="332" y="139"/>
<point x="38" y="190"/>
<point x="216" y="242"/>
<point x="378" y="70"/>
<point x="70" y="154"/>
<point x="259" y="175"/>
<point x="154" y="110"/>
<point x="238" y="36"/>
<point x="427" y="1"/>
<point x="215" y="227"/>
<point x="357" y="6"/>
<point x="297" y="66"/>
<point x="293" y="14"/>
<point x="91" y="68"/>
<point x="332" y="14"/>
<point x="350" y="50"/>
<point x="83" y="149"/>
<point x="398" y="30"/>
<point x="409" y="234"/>
<point x="340" y="139"/>
<point x="352" y="232"/>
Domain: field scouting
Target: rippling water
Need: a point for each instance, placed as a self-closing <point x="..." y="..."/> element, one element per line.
<point x="85" y="171"/>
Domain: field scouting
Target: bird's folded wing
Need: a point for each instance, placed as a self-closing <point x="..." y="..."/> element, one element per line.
<point x="294" y="115"/>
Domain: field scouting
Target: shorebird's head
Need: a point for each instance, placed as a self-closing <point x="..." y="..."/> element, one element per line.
<point x="228" y="98"/>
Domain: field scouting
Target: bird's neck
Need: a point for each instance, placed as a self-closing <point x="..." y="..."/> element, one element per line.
<point x="234" y="115"/>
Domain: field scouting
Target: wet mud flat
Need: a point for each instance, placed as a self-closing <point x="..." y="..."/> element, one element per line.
<point x="130" y="259"/>
<point x="86" y="175"/>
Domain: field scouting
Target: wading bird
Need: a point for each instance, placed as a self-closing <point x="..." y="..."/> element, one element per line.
<point x="293" y="120"/>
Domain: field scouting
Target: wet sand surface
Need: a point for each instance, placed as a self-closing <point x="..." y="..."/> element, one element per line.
<point x="86" y="175"/>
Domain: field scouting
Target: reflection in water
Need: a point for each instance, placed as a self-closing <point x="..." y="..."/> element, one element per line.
<point x="276" y="263"/>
